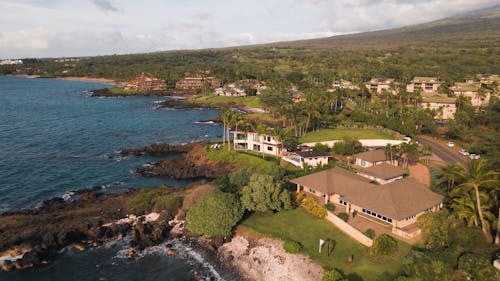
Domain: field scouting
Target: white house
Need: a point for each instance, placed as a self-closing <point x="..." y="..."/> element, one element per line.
<point x="310" y="158"/>
<point x="253" y="141"/>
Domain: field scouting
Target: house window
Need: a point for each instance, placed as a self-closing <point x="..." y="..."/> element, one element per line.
<point x="341" y="201"/>
<point x="256" y="147"/>
<point x="410" y="217"/>
<point x="269" y="148"/>
<point x="256" y="138"/>
<point x="312" y="190"/>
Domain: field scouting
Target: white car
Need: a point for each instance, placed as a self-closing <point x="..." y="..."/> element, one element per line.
<point x="451" y="144"/>
<point x="464" y="152"/>
<point x="474" y="156"/>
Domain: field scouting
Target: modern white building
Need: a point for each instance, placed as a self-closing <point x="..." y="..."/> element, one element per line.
<point x="252" y="141"/>
<point x="310" y="158"/>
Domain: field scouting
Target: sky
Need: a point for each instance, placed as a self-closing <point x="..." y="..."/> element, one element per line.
<point x="64" y="28"/>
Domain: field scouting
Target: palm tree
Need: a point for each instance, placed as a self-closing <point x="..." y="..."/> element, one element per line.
<point x="236" y="120"/>
<point x="227" y="116"/>
<point x="390" y="152"/>
<point x="478" y="177"/>
<point x="448" y="174"/>
<point x="465" y="208"/>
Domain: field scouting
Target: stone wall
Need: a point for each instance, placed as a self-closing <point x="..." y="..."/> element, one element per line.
<point x="349" y="230"/>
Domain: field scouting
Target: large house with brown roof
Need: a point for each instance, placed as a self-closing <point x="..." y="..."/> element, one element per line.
<point x="144" y="83"/>
<point x="373" y="157"/>
<point x="197" y="83"/>
<point x="472" y="90"/>
<point x="381" y="173"/>
<point x="442" y="104"/>
<point x="398" y="203"/>
<point x="424" y="84"/>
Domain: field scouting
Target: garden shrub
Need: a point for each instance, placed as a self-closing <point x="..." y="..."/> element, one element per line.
<point x="370" y="233"/>
<point x="292" y="247"/>
<point x="314" y="208"/>
<point x="384" y="245"/>
<point x="343" y="216"/>
<point x="333" y="275"/>
<point x="330" y="207"/>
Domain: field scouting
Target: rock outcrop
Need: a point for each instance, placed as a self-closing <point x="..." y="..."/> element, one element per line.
<point x="32" y="237"/>
<point x="194" y="164"/>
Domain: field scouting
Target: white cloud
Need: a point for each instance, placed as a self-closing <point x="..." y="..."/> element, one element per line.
<point x="36" y="28"/>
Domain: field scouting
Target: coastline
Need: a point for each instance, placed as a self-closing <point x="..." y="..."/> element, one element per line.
<point x="69" y="78"/>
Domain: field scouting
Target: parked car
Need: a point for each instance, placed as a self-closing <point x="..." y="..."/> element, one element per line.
<point x="451" y="144"/>
<point x="474" y="156"/>
<point x="464" y="152"/>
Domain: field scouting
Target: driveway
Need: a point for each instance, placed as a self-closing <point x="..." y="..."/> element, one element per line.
<point x="444" y="152"/>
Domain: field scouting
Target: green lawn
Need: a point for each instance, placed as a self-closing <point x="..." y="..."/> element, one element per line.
<point x="297" y="225"/>
<point x="244" y="159"/>
<point x="223" y="100"/>
<point x="340" y="133"/>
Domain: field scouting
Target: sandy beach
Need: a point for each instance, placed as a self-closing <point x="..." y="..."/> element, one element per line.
<point x="71" y="78"/>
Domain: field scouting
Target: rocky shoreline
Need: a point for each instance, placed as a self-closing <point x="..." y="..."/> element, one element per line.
<point x="107" y="93"/>
<point x="193" y="163"/>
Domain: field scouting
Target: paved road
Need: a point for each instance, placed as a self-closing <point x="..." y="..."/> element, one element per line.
<point x="442" y="151"/>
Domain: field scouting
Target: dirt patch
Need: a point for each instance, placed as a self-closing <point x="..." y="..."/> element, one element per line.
<point x="421" y="173"/>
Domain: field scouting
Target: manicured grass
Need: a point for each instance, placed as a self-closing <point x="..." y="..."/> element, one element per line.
<point x="223" y="100"/>
<point x="340" y="133"/>
<point x="243" y="159"/>
<point x="299" y="226"/>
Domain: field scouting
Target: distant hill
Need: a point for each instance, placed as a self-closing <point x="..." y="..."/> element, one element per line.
<point x="466" y="31"/>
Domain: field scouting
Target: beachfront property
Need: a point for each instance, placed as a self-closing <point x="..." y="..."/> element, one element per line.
<point x="424" y="84"/>
<point x="261" y="143"/>
<point x="444" y="106"/>
<point x="144" y="83"/>
<point x="309" y="158"/>
<point x="380" y="85"/>
<point x="10" y="62"/>
<point x="197" y="83"/>
<point x="231" y="90"/>
<point x="373" y="157"/>
<point x="473" y="90"/>
<point x="397" y="203"/>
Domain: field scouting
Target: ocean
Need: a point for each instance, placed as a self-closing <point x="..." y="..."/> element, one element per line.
<point x="55" y="138"/>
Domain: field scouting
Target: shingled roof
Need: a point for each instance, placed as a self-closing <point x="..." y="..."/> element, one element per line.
<point x="376" y="155"/>
<point x="397" y="200"/>
<point x="382" y="171"/>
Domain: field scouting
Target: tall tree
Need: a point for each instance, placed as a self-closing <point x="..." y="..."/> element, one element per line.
<point x="478" y="177"/>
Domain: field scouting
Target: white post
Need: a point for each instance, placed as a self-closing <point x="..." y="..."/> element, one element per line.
<point x="321" y="242"/>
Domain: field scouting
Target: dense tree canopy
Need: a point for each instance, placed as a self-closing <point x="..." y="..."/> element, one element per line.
<point x="214" y="214"/>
